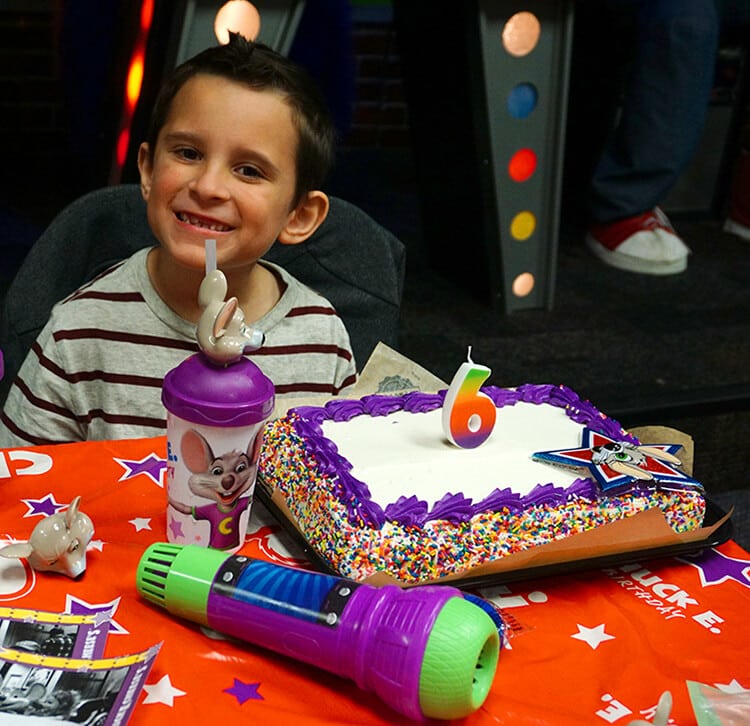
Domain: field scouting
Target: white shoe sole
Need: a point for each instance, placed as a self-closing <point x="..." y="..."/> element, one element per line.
<point x="635" y="264"/>
<point x="735" y="228"/>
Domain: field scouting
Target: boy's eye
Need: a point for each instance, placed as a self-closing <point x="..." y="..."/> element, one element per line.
<point x="249" y="171"/>
<point x="187" y="153"/>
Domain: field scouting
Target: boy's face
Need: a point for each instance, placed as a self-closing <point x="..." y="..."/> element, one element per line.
<point x="224" y="168"/>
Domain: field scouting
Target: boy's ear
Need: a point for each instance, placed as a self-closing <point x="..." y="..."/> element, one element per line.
<point x="305" y="218"/>
<point x="145" y="167"/>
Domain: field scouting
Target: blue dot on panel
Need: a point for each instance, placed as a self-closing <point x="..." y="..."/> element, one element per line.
<point x="522" y="100"/>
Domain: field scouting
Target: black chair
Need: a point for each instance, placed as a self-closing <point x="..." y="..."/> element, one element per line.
<point x="351" y="259"/>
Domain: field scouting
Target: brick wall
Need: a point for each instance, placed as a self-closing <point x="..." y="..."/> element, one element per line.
<point x="380" y="115"/>
<point x="38" y="175"/>
<point x="30" y="102"/>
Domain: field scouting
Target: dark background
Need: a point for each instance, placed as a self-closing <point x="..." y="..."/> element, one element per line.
<point x="648" y="350"/>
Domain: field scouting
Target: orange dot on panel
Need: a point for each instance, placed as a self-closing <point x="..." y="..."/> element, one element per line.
<point x="135" y="79"/>
<point x="122" y="146"/>
<point x="521" y="33"/>
<point x="237" y="16"/>
<point x="522" y="165"/>
<point x="523" y="284"/>
<point x="523" y="225"/>
<point x="147" y="14"/>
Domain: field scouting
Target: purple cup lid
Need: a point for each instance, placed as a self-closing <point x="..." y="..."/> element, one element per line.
<point x="201" y="392"/>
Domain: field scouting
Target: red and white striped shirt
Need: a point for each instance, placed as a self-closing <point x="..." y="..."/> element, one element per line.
<point x="95" y="372"/>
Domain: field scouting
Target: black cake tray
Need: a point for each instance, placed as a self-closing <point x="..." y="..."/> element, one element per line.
<point x="714" y="513"/>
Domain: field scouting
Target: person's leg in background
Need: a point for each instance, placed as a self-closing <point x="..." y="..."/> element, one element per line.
<point x="738" y="217"/>
<point x="661" y="119"/>
<point x="735" y="15"/>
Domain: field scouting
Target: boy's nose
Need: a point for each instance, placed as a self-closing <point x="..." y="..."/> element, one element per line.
<point x="209" y="182"/>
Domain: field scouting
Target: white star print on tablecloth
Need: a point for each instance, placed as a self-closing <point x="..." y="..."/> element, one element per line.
<point x="162" y="692"/>
<point x="593" y="636"/>
<point x="140" y="523"/>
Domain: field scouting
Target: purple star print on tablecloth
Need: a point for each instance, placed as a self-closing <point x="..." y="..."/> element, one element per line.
<point x="244" y="691"/>
<point x="45" y="506"/>
<point x="152" y="466"/>
<point x="607" y="478"/>
<point x="715" y="568"/>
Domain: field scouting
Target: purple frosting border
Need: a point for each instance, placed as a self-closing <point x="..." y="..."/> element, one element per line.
<point x="355" y="495"/>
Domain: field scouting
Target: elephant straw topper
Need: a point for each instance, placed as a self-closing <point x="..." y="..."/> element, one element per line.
<point x="222" y="334"/>
<point x="57" y="543"/>
<point x="226" y="481"/>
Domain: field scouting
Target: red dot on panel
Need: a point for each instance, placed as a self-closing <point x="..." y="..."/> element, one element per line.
<point x="522" y="165"/>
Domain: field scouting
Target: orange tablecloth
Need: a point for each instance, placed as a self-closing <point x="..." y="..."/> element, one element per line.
<point x="592" y="648"/>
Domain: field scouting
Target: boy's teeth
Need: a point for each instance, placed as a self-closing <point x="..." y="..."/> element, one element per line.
<point x="200" y="223"/>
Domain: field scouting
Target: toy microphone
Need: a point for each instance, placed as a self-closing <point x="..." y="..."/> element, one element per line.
<point x="428" y="652"/>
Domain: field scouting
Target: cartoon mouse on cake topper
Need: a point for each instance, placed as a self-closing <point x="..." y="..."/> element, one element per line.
<point x="57" y="543"/>
<point x="626" y="458"/>
<point x="226" y="481"/>
<point x="222" y="334"/>
<point x="616" y="461"/>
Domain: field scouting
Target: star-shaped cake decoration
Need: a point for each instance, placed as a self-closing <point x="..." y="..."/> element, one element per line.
<point x="615" y="463"/>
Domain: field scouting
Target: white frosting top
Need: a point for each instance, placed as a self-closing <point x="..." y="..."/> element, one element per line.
<point x="407" y="453"/>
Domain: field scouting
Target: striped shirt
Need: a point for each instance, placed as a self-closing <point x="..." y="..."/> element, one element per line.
<point x="95" y="372"/>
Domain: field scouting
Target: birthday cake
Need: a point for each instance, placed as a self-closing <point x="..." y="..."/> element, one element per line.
<point x="374" y="485"/>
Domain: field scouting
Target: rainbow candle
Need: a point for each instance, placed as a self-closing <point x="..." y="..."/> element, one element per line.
<point x="468" y="414"/>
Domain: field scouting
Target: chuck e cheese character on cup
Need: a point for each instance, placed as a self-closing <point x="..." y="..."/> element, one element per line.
<point x="217" y="402"/>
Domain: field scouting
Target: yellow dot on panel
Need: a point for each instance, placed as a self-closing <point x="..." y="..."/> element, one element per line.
<point x="523" y="225"/>
<point x="523" y="284"/>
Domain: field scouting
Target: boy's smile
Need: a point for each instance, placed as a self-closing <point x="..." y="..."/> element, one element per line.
<point x="203" y="222"/>
<point x="224" y="166"/>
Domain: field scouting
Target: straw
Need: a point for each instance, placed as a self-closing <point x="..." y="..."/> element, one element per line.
<point x="210" y="255"/>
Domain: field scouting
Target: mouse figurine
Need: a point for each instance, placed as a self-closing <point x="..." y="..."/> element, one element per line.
<point x="222" y="334"/>
<point x="57" y="543"/>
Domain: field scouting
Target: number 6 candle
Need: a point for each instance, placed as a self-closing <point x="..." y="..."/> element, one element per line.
<point x="468" y="414"/>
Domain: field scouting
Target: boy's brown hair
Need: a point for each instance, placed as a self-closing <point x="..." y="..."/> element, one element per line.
<point x="263" y="69"/>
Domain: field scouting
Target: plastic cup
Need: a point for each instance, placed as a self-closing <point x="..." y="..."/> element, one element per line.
<point x="215" y="417"/>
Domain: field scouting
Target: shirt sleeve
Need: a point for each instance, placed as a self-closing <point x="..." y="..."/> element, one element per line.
<point x="346" y="369"/>
<point x="39" y="408"/>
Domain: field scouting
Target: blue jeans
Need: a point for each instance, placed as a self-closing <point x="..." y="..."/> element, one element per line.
<point x="663" y="107"/>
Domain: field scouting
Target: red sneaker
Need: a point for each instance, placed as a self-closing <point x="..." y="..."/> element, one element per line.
<point x="646" y="243"/>
<point x="738" y="219"/>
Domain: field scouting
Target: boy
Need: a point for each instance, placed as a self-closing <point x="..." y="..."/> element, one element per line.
<point x="238" y="147"/>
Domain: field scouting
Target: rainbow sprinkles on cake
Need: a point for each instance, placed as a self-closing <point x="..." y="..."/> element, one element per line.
<point x="374" y="485"/>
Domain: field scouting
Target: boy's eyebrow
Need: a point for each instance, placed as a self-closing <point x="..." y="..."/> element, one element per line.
<point x="181" y="136"/>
